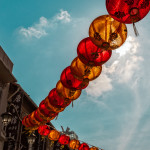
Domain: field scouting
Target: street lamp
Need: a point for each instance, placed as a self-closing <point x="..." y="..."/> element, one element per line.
<point x="6" y="118"/>
<point x="31" y="139"/>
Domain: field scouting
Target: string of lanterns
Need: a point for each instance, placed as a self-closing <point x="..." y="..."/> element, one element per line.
<point x="63" y="139"/>
<point x="106" y="33"/>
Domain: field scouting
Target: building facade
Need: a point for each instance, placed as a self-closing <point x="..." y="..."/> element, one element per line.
<point x="6" y="77"/>
<point x="15" y="100"/>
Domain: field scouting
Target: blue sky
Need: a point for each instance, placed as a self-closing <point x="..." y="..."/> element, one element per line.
<point x="41" y="39"/>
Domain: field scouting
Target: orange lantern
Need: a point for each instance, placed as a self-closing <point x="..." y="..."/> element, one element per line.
<point x="94" y="148"/>
<point x="107" y="33"/>
<point x="74" y="144"/>
<point x="24" y="122"/>
<point x="54" y="135"/>
<point x="52" y="108"/>
<point x="29" y="123"/>
<point x="33" y="119"/>
<point x="70" y="94"/>
<point x="82" y="71"/>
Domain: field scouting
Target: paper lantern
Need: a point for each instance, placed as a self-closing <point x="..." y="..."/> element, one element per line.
<point x="41" y="115"/>
<point x="29" y="123"/>
<point x="82" y="71"/>
<point x="38" y="116"/>
<point x="91" y="55"/>
<point x="128" y="11"/>
<point x="24" y="122"/>
<point x="54" y="135"/>
<point x="52" y="108"/>
<point x="70" y="94"/>
<point x="107" y="33"/>
<point x="33" y="119"/>
<point x="64" y="139"/>
<point x="74" y="144"/>
<point x="94" y="148"/>
<point x="44" y="110"/>
<point x="56" y="100"/>
<point x="83" y="146"/>
<point x="69" y="81"/>
<point x="44" y="130"/>
<point x="45" y="119"/>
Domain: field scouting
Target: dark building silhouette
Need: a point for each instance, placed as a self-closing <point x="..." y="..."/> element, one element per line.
<point x="13" y="136"/>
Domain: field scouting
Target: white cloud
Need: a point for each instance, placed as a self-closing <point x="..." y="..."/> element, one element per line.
<point x="98" y="86"/>
<point x="121" y="70"/>
<point x="63" y="16"/>
<point x="39" y="29"/>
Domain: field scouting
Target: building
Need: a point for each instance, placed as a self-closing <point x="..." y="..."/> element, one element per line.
<point x="15" y="100"/>
<point x="6" y="77"/>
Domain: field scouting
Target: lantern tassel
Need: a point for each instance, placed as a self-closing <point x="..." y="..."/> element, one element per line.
<point x="135" y="30"/>
<point x="52" y="142"/>
<point x="62" y="146"/>
<point x="56" y="117"/>
<point x="72" y="104"/>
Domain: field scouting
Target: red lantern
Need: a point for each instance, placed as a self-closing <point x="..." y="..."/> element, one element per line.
<point x="43" y="109"/>
<point x="52" y="108"/>
<point x="69" y="81"/>
<point x="44" y="130"/>
<point x="24" y="122"/>
<point x="90" y="54"/>
<point x="29" y="121"/>
<point x="84" y="146"/>
<point x="64" y="139"/>
<point x="56" y="100"/>
<point x="37" y="116"/>
<point x="128" y="11"/>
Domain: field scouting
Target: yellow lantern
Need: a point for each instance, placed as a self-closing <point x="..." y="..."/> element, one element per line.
<point x="74" y="144"/>
<point x="107" y="33"/>
<point x="33" y="120"/>
<point x="54" y="135"/>
<point x="67" y="93"/>
<point x="94" y="148"/>
<point x="82" y="71"/>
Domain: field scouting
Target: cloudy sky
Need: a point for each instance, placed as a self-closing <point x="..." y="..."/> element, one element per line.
<point x="41" y="38"/>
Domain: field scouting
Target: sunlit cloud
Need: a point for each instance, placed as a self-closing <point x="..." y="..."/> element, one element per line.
<point x="121" y="70"/>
